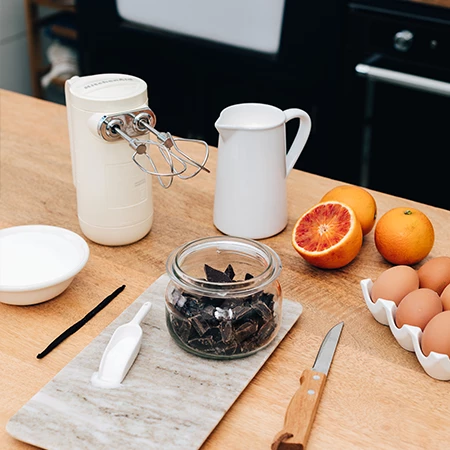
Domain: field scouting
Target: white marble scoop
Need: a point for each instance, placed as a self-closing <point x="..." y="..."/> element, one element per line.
<point x="121" y="351"/>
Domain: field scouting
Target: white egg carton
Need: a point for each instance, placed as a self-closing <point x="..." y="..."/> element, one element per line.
<point x="436" y="365"/>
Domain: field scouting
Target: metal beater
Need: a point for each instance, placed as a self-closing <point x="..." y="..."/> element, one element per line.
<point x="132" y="124"/>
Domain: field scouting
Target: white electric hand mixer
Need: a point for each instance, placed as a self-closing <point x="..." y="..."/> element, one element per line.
<point x="107" y="113"/>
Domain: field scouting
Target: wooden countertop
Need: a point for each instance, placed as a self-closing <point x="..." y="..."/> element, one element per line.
<point x="442" y="3"/>
<point x="377" y="395"/>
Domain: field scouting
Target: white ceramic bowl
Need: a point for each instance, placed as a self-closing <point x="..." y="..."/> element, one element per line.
<point x="409" y="337"/>
<point x="38" y="262"/>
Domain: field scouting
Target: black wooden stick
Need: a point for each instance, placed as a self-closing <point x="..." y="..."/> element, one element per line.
<point x="76" y="326"/>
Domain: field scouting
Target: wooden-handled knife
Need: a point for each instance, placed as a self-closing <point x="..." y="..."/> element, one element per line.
<point x="303" y="405"/>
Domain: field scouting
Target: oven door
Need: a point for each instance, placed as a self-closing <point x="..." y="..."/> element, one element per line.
<point x="400" y="98"/>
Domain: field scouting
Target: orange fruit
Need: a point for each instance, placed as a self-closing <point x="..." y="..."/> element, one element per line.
<point x="328" y="235"/>
<point x="404" y="235"/>
<point x="360" y="200"/>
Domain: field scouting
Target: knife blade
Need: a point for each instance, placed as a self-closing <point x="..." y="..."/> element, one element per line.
<point x="304" y="403"/>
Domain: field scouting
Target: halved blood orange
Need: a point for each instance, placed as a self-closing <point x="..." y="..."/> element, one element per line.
<point x="328" y="235"/>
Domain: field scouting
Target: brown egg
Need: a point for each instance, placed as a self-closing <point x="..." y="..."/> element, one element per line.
<point x="445" y="298"/>
<point x="436" y="335"/>
<point x="418" y="308"/>
<point x="394" y="283"/>
<point x="435" y="274"/>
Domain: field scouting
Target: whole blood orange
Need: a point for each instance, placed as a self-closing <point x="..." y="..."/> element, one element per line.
<point x="404" y="235"/>
<point x="328" y="235"/>
<point x="360" y="200"/>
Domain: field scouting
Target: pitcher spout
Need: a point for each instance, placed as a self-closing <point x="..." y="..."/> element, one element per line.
<point x="225" y="131"/>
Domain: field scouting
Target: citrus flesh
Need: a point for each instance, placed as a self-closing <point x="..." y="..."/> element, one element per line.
<point x="404" y="235"/>
<point x="360" y="200"/>
<point x="328" y="235"/>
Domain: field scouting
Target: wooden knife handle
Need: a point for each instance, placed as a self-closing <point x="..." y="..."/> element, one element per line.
<point x="300" y="412"/>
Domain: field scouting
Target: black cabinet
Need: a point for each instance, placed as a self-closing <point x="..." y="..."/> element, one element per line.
<point x="397" y="85"/>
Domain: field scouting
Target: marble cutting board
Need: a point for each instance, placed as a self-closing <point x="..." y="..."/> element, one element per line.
<point x="170" y="399"/>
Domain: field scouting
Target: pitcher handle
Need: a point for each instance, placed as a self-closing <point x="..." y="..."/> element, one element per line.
<point x="300" y="138"/>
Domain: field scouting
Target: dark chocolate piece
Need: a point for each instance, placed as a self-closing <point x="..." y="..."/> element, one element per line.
<point x="267" y="299"/>
<point x="215" y="333"/>
<point x="206" y="343"/>
<point x="250" y="344"/>
<point x="229" y="271"/>
<point x="183" y="328"/>
<point x="200" y="324"/>
<point x="226" y="331"/>
<point x="263" y="310"/>
<point x="208" y="314"/>
<point x="240" y="311"/>
<point x="266" y="331"/>
<point x="216" y="276"/>
<point x="245" y="331"/>
<point x="227" y="349"/>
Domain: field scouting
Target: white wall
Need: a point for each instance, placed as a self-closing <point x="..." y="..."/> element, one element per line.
<point x="14" y="63"/>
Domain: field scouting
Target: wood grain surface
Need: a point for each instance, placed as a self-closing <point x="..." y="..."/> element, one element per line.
<point x="441" y="3"/>
<point x="377" y="395"/>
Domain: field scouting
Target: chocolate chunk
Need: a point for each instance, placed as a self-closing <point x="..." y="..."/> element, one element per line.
<point x="216" y="276"/>
<point x="208" y="313"/>
<point x="183" y="328"/>
<point x="186" y="305"/>
<point x="263" y="310"/>
<point x="215" y="333"/>
<point x="228" y="349"/>
<point x="226" y="331"/>
<point x="200" y="324"/>
<point x="267" y="299"/>
<point x="205" y="344"/>
<point x="229" y="271"/>
<point x="248" y="276"/>
<point x="249" y="345"/>
<point x="266" y="331"/>
<point x="242" y="312"/>
<point x="245" y="331"/>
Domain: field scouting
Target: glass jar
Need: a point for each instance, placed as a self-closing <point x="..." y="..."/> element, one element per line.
<point x="223" y="299"/>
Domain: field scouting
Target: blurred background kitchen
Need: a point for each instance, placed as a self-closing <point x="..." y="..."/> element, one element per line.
<point x="373" y="75"/>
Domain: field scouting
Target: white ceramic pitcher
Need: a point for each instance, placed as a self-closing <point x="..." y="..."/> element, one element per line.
<point x="250" y="197"/>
